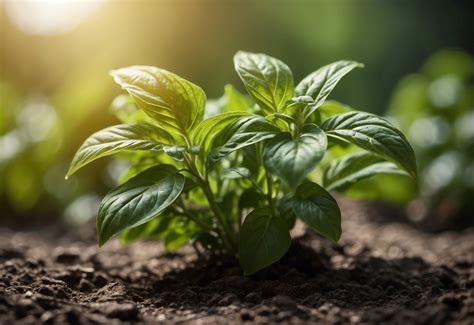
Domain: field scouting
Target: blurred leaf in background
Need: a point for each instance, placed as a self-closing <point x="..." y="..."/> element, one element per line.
<point x="32" y="159"/>
<point x="435" y="108"/>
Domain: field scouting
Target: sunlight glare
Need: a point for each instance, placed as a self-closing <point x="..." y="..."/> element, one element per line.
<point x="50" y="17"/>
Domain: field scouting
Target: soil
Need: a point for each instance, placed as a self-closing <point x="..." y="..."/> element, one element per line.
<point x="381" y="271"/>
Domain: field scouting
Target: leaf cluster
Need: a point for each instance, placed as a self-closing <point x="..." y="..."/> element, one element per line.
<point x="235" y="175"/>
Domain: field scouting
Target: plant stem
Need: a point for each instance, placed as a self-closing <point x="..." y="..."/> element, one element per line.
<point x="228" y="234"/>
<point x="270" y="193"/>
<point x="190" y="216"/>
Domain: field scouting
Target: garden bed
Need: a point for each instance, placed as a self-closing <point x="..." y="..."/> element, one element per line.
<point x="380" y="271"/>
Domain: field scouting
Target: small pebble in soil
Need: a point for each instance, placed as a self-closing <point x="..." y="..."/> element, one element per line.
<point x="227" y="299"/>
<point x="125" y="311"/>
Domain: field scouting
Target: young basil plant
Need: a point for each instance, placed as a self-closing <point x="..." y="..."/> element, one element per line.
<point x="234" y="174"/>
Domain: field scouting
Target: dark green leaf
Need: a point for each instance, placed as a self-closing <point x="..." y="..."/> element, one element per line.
<point x="138" y="200"/>
<point x="264" y="239"/>
<point x="118" y="138"/>
<point x="241" y="133"/>
<point x="250" y="198"/>
<point x="168" y="98"/>
<point x="285" y="207"/>
<point x="250" y="160"/>
<point x="268" y="80"/>
<point x="372" y="133"/>
<point x="292" y="159"/>
<point x="319" y="84"/>
<point x="318" y="209"/>
<point x="344" y="172"/>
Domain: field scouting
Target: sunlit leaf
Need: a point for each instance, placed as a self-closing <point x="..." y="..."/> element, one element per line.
<point x="235" y="101"/>
<point x="171" y="100"/>
<point x="319" y="84"/>
<point x="119" y="138"/>
<point x="268" y="80"/>
<point x="205" y="132"/>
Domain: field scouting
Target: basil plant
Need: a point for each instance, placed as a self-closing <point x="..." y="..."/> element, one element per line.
<point x="233" y="175"/>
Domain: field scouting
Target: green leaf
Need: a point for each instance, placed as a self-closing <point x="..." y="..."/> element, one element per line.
<point x="374" y="134"/>
<point x="231" y="101"/>
<point x="241" y="133"/>
<point x="268" y="80"/>
<point x="285" y="207"/>
<point x="179" y="233"/>
<point x="332" y="107"/>
<point x="319" y="84"/>
<point x="205" y="132"/>
<point x="292" y="159"/>
<point x="235" y="101"/>
<point x="318" y="209"/>
<point x="138" y="200"/>
<point x="166" y="97"/>
<point x="249" y="198"/>
<point x="118" y="138"/>
<point x="236" y="173"/>
<point x="251" y="159"/>
<point x="344" y="172"/>
<point x="142" y="231"/>
<point x="264" y="239"/>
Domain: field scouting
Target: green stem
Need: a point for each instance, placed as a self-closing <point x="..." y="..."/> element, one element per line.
<point x="228" y="234"/>
<point x="270" y="193"/>
<point x="189" y="215"/>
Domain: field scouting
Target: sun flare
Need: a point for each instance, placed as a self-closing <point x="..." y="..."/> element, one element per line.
<point x="50" y="17"/>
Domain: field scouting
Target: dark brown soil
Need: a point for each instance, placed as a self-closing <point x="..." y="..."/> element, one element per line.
<point x="380" y="272"/>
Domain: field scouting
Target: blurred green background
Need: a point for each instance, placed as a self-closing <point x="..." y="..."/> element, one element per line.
<point x="55" y="89"/>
